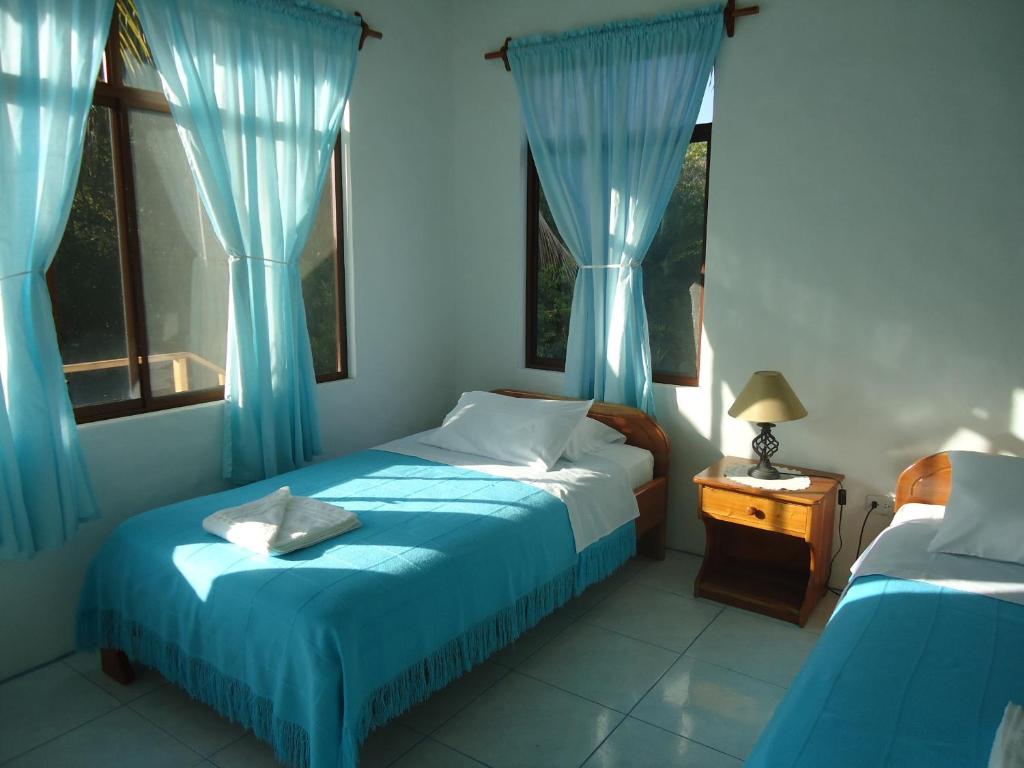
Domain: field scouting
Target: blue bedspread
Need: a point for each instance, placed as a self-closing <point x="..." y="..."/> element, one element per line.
<point x="314" y="649"/>
<point x="907" y="674"/>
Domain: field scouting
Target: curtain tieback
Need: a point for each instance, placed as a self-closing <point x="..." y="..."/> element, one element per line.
<point x="631" y="264"/>
<point x="38" y="272"/>
<point x="233" y="257"/>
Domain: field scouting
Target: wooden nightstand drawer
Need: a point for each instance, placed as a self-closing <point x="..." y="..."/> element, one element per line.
<point x="755" y="511"/>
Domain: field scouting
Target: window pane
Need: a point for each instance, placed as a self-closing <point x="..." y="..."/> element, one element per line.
<point x="85" y="280"/>
<point x="556" y="276"/>
<point x="673" y="282"/>
<point x="139" y="69"/>
<point x="318" y="267"/>
<point x="184" y="268"/>
<point x="707" y="106"/>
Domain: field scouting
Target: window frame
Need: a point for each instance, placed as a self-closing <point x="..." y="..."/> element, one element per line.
<point x="120" y="99"/>
<point x="701" y="133"/>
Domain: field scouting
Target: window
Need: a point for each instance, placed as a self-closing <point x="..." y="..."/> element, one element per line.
<point x="139" y="284"/>
<point x="673" y="270"/>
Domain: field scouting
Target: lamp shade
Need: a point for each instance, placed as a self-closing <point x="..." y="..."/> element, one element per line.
<point x="767" y="398"/>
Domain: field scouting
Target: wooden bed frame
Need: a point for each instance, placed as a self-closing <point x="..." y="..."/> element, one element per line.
<point x="652" y="497"/>
<point x="926" y="481"/>
<point x="643" y="432"/>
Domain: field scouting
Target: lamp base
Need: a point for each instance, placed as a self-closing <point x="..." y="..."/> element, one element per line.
<point x="764" y="471"/>
<point x="765" y="445"/>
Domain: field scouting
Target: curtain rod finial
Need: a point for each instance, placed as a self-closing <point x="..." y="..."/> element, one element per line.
<point x="731" y="13"/>
<point x="501" y="53"/>
<point x="368" y="31"/>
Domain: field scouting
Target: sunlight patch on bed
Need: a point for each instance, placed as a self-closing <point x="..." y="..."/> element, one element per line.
<point x="193" y="562"/>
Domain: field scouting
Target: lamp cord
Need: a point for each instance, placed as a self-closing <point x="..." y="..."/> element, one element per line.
<point x="832" y="562"/>
<point x="860" y="539"/>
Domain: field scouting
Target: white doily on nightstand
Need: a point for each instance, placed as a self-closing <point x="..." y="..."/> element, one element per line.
<point x="791" y="480"/>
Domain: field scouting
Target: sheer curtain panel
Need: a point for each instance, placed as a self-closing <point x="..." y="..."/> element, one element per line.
<point x="609" y="112"/>
<point x="50" y="54"/>
<point x="257" y="88"/>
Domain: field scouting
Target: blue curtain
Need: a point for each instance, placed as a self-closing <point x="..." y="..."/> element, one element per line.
<point x="258" y="88"/>
<point x="50" y="54"/>
<point x="609" y="112"/>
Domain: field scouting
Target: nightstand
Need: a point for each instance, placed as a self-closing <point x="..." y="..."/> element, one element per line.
<point x="766" y="550"/>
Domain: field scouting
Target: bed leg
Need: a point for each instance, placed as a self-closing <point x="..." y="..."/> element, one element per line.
<point x="652" y="543"/>
<point x="115" y="664"/>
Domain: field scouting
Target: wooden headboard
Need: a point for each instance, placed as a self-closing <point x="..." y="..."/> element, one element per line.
<point x="926" y="481"/>
<point x="639" y="428"/>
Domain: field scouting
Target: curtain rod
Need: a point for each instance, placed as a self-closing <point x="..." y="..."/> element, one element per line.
<point x="730" y="14"/>
<point x="368" y="31"/>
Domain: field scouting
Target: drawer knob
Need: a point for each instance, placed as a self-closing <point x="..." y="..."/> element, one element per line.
<point x="759" y="514"/>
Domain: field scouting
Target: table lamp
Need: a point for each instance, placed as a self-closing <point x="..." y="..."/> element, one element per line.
<point x="766" y="400"/>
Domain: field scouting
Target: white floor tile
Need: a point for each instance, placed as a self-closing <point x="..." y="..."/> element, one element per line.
<point x="431" y="754"/>
<point x="523" y="723"/>
<point x="194" y="723"/>
<point x="439" y="708"/>
<point x="247" y="752"/>
<point x="120" y="739"/>
<point x="654" y="616"/>
<point x="530" y="642"/>
<point x="639" y="745"/>
<point x="676" y="573"/>
<point x="717" y="707"/>
<point x="600" y="665"/>
<point x="88" y="664"/>
<point x="387" y="744"/>
<point x="45" y="703"/>
<point x="597" y="593"/>
<point x="755" y="645"/>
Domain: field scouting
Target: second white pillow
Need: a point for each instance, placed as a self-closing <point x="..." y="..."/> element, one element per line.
<point x="512" y="429"/>
<point x="591" y="435"/>
<point x="985" y="511"/>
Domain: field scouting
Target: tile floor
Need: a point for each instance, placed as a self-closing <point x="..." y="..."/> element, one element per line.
<point x="634" y="673"/>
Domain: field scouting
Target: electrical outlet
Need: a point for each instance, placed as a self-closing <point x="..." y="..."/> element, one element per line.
<point x="886" y="504"/>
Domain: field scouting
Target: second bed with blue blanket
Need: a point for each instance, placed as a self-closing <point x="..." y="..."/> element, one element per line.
<point x="910" y="672"/>
<point x="313" y="650"/>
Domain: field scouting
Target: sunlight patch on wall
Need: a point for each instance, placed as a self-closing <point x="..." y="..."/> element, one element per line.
<point x="967" y="440"/>
<point x="1017" y="414"/>
<point x="696" y="403"/>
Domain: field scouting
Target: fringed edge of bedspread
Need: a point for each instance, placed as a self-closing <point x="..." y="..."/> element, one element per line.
<point x="231" y="698"/>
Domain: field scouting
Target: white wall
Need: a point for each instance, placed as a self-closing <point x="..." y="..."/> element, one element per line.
<point x="865" y="224"/>
<point x="402" y="376"/>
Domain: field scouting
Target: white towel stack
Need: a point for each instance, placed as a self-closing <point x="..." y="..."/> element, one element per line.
<point x="280" y="523"/>
<point x="1008" y="747"/>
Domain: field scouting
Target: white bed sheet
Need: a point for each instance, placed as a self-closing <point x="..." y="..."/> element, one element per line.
<point x="637" y="463"/>
<point x="901" y="551"/>
<point x="597" y="490"/>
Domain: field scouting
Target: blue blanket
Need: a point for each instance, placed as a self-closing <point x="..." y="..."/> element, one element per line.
<point x="313" y="650"/>
<point x="907" y="674"/>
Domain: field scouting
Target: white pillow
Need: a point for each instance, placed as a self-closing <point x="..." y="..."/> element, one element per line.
<point x="517" y="430"/>
<point x="591" y="435"/>
<point x="985" y="512"/>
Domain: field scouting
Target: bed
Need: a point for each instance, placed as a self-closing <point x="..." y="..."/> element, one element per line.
<point x="455" y="559"/>
<point x="919" y="659"/>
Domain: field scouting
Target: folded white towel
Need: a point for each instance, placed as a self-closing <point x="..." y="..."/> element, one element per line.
<point x="280" y="523"/>
<point x="1008" y="746"/>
